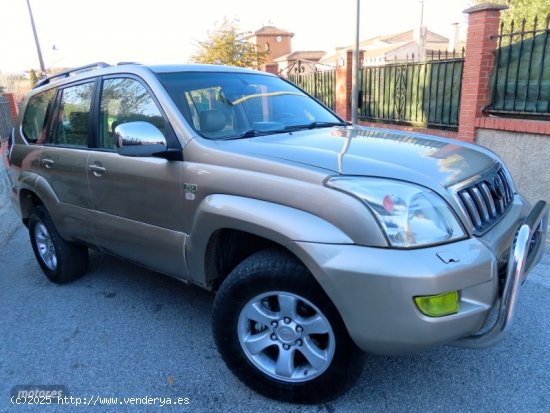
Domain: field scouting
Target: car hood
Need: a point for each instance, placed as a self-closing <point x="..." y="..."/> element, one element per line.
<point x="374" y="152"/>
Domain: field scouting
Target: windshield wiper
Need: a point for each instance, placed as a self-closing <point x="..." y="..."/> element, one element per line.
<point x="252" y="133"/>
<point x="314" y="125"/>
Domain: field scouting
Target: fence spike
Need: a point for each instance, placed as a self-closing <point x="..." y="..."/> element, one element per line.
<point x="548" y="21"/>
<point x="446" y="54"/>
<point x="523" y="22"/>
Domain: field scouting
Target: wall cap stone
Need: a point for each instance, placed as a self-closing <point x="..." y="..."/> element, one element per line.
<point x="485" y="6"/>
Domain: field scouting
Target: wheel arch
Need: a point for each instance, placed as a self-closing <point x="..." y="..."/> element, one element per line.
<point x="228" y="229"/>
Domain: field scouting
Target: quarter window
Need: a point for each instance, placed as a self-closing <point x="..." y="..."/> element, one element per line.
<point x="74" y="116"/>
<point x="125" y="100"/>
<point x="35" y="115"/>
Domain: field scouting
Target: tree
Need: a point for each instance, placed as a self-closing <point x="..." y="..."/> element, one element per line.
<point x="33" y="77"/>
<point x="523" y="9"/>
<point x="227" y="46"/>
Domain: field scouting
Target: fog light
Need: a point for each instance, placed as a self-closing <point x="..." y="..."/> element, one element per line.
<point x="438" y="305"/>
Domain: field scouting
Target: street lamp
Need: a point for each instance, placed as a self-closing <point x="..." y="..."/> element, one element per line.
<point x="40" y="59"/>
<point x="355" y="70"/>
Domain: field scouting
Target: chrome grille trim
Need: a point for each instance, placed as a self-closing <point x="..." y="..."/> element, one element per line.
<point x="486" y="198"/>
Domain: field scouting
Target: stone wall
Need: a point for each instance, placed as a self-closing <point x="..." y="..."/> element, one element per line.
<point x="526" y="155"/>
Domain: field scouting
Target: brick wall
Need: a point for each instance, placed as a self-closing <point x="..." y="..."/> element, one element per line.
<point x="14" y="110"/>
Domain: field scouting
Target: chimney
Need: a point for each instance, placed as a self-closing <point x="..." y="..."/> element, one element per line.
<point x="453" y="40"/>
<point x="419" y="34"/>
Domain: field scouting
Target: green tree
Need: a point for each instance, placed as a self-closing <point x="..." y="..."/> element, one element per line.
<point x="33" y="77"/>
<point x="227" y="46"/>
<point x="522" y="9"/>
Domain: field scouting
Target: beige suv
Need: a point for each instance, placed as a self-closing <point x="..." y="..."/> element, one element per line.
<point x="319" y="238"/>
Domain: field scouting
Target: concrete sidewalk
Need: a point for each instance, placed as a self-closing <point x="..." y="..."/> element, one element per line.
<point x="9" y="222"/>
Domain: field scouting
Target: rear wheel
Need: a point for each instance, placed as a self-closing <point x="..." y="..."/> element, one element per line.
<point x="61" y="261"/>
<point x="280" y="334"/>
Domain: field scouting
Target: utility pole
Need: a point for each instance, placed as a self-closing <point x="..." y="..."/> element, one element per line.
<point x="40" y="59"/>
<point x="355" y="70"/>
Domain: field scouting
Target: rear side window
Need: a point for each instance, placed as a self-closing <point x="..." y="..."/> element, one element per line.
<point x="35" y="115"/>
<point x="73" y="116"/>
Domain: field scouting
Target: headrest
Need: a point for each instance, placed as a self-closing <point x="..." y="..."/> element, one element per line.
<point x="211" y="120"/>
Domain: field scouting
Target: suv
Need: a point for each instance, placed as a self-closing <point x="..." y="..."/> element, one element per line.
<point x="320" y="238"/>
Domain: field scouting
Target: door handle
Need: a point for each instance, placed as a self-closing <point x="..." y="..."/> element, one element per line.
<point x="47" y="163"/>
<point x="97" y="169"/>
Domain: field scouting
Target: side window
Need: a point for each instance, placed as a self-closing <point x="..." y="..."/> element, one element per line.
<point x="73" y="116"/>
<point x="35" y="115"/>
<point x="125" y="100"/>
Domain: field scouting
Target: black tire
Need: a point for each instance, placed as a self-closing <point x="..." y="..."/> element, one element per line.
<point x="61" y="261"/>
<point x="279" y="282"/>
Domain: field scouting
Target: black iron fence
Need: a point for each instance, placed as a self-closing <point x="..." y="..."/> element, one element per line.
<point x="320" y="84"/>
<point x="521" y="79"/>
<point x="423" y="94"/>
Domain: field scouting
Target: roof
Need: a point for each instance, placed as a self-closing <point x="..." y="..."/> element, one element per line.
<point x="272" y="31"/>
<point x="404" y="37"/>
<point x="313" y="55"/>
<point x="101" y="68"/>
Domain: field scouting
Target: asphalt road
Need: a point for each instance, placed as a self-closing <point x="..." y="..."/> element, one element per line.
<point x="122" y="331"/>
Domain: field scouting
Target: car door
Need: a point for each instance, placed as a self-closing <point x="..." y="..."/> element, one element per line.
<point x="136" y="200"/>
<point x="64" y="159"/>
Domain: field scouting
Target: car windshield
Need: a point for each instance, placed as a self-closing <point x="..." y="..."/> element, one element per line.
<point x="230" y="105"/>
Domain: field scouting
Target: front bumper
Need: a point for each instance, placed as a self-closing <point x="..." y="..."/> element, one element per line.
<point x="373" y="288"/>
<point x="524" y="255"/>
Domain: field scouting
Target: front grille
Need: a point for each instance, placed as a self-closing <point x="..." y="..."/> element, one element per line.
<point x="486" y="200"/>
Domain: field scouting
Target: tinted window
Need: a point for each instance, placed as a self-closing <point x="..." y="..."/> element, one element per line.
<point x="73" y="116"/>
<point x="125" y="100"/>
<point x="35" y="115"/>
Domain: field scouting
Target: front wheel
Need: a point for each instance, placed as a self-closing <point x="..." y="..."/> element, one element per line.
<point x="280" y="334"/>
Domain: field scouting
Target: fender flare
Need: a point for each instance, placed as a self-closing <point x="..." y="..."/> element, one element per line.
<point x="279" y="223"/>
<point x="32" y="182"/>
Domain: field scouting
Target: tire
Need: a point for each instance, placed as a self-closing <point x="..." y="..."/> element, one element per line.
<point x="280" y="334"/>
<point x="61" y="261"/>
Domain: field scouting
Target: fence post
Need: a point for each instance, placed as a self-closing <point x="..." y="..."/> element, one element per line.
<point x="483" y="26"/>
<point x="343" y="84"/>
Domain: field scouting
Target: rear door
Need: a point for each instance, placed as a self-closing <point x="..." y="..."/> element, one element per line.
<point x="64" y="159"/>
<point x="136" y="200"/>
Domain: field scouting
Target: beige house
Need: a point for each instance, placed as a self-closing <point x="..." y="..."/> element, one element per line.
<point x="299" y="62"/>
<point x="415" y="44"/>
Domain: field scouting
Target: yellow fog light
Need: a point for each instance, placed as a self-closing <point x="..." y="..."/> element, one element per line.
<point x="438" y="305"/>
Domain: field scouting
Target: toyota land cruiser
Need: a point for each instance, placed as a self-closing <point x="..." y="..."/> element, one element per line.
<point x="319" y="238"/>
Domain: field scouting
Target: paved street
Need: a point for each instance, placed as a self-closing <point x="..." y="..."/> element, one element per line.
<point x="122" y="331"/>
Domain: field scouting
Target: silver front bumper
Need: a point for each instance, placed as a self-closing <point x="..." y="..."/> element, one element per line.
<point x="524" y="255"/>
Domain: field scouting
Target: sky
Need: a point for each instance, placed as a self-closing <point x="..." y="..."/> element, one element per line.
<point x="168" y="31"/>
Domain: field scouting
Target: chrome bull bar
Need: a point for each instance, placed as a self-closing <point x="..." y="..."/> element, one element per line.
<point x="524" y="255"/>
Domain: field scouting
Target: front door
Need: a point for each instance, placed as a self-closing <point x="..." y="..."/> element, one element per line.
<point x="137" y="201"/>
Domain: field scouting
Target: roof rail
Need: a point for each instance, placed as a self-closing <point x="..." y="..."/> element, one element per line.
<point x="67" y="73"/>
<point x="127" y="63"/>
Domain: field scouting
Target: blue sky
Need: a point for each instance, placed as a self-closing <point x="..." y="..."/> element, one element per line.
<point x="167" y="31"/>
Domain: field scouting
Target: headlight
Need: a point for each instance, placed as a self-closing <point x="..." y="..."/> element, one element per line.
<point x="411" y="215"/>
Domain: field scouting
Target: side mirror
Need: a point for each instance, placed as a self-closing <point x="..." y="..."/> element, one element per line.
<point x="139" y="139"/>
